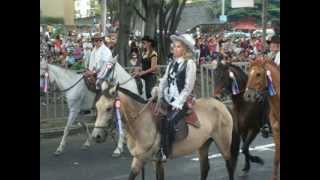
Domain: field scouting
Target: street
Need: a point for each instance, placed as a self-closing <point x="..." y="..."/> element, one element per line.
<point x="96" y="163"/>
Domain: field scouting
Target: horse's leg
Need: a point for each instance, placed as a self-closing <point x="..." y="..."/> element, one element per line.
<point x="204" y="161"/>
<point x="247" y="140"/>
<point x="117" y="152"/>
<point x="136" y="166"/>
<point x="86" y="145"/>
<point x="72" y="116"/>
<point x="235" y="146"/>
<point x="276" y="138"/>
<point x="159" y="170"/>
<point x="224" y="143"/>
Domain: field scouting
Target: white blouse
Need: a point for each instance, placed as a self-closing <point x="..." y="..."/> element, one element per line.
<point x="180" y="98"/>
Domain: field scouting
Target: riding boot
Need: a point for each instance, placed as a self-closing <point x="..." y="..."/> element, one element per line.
<point x="171" y="120"/>
<point x="161" y="155"/>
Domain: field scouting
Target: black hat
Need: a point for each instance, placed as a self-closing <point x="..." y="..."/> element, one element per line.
<point x="149" y="39"/>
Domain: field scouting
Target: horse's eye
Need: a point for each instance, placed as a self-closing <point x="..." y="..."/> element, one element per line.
<point x="109" y="109"/>
<point x="258" y="74"/>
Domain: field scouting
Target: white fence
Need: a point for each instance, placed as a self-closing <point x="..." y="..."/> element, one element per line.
<point x="53" y="105"/>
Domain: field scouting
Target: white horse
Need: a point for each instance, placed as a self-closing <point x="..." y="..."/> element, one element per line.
<point x="78" y="98"/>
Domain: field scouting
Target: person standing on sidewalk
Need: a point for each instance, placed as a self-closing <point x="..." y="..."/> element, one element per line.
<point x="148" y="65"/>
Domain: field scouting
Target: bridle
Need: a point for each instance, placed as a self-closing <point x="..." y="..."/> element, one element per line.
<point x="112" y="77"/>
<point x="260" y="93"/>
<point x="46" y="70"/>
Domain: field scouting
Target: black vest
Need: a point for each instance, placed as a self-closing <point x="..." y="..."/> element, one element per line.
<point x="146" y="61"/>
<point x="180" y="76"/>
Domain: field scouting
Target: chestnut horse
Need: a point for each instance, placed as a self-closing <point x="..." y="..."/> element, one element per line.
<point x="264" y="79"/>
<point x="248" y="115"/>
<point x="143" y="136"/>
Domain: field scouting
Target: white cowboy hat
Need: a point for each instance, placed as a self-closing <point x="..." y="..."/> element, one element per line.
<point x="185" y="39"/>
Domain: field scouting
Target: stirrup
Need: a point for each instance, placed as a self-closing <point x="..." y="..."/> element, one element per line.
<point x="163" y="156"/>
<point x="160" y="156"/>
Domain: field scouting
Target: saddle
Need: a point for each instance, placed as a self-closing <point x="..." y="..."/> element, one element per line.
<point x="90" y="81"/>
<point x="181" y="125"/>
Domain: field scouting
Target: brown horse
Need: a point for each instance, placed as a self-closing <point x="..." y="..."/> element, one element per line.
<point x="264" y="79"/>
<point x="143" y="136"/>
<point x="248" y="115"/>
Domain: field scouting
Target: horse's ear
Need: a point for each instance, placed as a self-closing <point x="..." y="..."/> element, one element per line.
<point x="115" y="59"/>
<point x="117" y="86"/>
<point x="113" y="90"/>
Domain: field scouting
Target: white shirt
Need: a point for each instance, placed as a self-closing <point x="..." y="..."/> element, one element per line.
<point x="180" y="98"/>
<point x="277" y="59"/>
<point x="99" y="57"/>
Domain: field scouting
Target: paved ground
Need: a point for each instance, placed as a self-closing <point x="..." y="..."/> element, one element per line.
<point x="96" y="163"/>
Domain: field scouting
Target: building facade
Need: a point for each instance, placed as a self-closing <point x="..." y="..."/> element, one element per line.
<point x="58" y="9"/>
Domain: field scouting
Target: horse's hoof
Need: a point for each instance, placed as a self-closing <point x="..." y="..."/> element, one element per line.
<point x="256" y="159"/>
<point x="116" y="155"/>
<point x="57" y="153"/>
<point x="243" y="173"/>
<point x="85" y="147"/>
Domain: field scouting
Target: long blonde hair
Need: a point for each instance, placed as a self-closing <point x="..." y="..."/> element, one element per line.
<point x="187" y="54"/>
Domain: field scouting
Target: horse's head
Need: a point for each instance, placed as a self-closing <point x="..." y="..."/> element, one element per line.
<point x="105" y="109"/>
<point x="257" y="80"/>
<point x="222" y="81"/>
<point x="225" y="75"/>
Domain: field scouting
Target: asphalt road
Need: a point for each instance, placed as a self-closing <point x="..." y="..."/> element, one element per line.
<point x="96" y="163"/>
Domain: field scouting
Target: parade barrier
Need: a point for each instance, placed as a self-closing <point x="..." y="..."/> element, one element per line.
<point x="206" y="77"/>
<point x="53" y="105"/>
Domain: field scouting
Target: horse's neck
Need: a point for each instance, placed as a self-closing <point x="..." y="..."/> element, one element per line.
<point x="135" y="119"/>
<point x="274" y="101"/>
<point x="275" y="75"/>
<point x="122" y="76"/>
<point x="63" y="77"/>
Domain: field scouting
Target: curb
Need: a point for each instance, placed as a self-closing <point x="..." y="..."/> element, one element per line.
<point x="58" y="132"/>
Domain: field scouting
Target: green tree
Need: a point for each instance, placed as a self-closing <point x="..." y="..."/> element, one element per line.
<point x="95" y="8"/>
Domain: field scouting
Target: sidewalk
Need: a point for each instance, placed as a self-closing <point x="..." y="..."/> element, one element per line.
<point x="55" y="128"/>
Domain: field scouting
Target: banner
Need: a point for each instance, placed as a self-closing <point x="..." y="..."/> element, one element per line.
<point x="242" y="3"/>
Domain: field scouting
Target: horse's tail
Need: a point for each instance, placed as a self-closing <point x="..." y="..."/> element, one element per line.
<point x="235" y="142"/>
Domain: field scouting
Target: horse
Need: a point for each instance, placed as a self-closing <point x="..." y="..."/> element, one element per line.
<point x="264" y="79"/>
<point x="118" y="74"/>
<point x="247" y="114"/>
<point x="79" y="99"/>
<point x="143" y="136"/>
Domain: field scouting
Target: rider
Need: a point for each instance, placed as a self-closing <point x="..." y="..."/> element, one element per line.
<point x="175" y="87"/>
<point x="275" y="49"/>
<point x="99" y="58"/>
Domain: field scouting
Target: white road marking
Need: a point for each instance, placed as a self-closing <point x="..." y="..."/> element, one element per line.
<point x="266" y="147"/>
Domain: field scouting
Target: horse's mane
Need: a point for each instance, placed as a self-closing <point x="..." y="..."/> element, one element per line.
<point x="67" y="73"/>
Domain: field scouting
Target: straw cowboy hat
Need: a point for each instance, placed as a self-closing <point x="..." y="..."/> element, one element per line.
<point x="98" y="36"/>
<point x="185" y="39"/>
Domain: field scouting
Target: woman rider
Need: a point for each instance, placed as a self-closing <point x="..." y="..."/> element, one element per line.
<point x="175" y="87"/>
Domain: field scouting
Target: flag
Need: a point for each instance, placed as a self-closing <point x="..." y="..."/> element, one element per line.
<point x="242" y="3"/>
